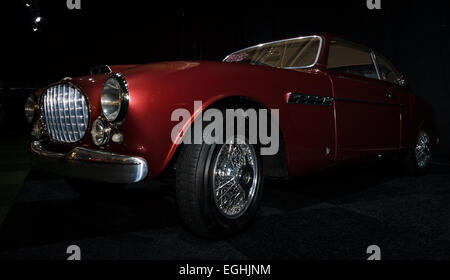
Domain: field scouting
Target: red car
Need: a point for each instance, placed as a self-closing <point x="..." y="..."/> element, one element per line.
<point x="337" y="101"/>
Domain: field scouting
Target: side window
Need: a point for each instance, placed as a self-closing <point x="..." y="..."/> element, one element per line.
<point x="387" y="70"/>
<point x="350" y="58"/>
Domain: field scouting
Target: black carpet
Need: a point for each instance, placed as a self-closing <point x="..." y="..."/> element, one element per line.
<point x="336" y="214"/>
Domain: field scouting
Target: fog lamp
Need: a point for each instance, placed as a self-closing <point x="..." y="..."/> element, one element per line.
<point x="100" y="132"/>
<point x="117" y="137"/>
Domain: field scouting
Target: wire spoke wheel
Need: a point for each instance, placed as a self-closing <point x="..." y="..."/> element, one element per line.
<point x="219" y="186"/>
<point x="235" y="177"/>
<point x="423" y="150"/>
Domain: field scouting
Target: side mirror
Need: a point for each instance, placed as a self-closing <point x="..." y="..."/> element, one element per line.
<point x="402" y="80"/>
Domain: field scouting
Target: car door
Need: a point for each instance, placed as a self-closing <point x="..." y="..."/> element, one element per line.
<point x="392" y="82"/>
<point x="309" y="110"/>
<point x="396" y="90"/>
<point x="367" y="117"/>
<point x="311" y="116"/>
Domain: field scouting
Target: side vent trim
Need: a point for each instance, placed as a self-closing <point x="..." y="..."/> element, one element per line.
<point x="307" y="99"/>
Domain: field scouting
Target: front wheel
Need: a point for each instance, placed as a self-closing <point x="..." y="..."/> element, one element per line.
<point x="417" y="161"/>
<point x="219" y="187"/>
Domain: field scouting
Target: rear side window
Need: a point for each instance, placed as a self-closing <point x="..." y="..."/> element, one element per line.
<point x="388" y="72"/>
<point x="346" y="57"/>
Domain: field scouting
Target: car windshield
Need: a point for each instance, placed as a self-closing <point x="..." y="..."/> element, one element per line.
<point x="295" y="53"/>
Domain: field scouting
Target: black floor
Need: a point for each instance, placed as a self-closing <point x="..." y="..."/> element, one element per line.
<point x="332" y="215"/>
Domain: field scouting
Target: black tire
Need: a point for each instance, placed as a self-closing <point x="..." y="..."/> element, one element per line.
<point x="195" y="196"/>
<point x="93" y="189"/>
<point x="411" y="163"/>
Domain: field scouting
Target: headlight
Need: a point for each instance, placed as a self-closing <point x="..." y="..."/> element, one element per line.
<point x="100" y="132"/>
<point x="30" y="109"/>
<point x="115" y="98"/>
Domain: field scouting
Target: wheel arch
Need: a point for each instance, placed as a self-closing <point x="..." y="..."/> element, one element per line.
<point x="274" y="166"/>
<point x="428" y="125"/>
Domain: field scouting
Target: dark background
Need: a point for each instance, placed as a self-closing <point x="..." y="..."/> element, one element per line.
<point x="413" y="34"/>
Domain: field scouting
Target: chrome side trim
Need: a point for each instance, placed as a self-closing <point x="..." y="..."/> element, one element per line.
<point x="319" y="51"/>
<point x="91" y="164"/>
<point x="307" y="99"/>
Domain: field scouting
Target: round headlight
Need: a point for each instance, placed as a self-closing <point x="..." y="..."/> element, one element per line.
<point x="100" y="132"/>
<point x="115" y="98"/>
<point x="30" y="109"/>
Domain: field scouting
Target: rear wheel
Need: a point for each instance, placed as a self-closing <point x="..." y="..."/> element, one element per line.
<point x="219" y="187"/>
<point x="417" y="161"/>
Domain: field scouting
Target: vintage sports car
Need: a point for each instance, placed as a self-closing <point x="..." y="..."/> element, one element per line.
<point x="338" y="102"/>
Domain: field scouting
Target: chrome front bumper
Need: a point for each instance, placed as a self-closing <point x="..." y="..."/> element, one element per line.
<point x="90" y="164"/>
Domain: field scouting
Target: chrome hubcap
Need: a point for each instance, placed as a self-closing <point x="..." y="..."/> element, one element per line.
<point x="423" y="150"/>
<point x="235" y="178"/>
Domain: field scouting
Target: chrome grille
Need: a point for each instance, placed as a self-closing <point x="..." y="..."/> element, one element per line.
<point x="65" y="112"/>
